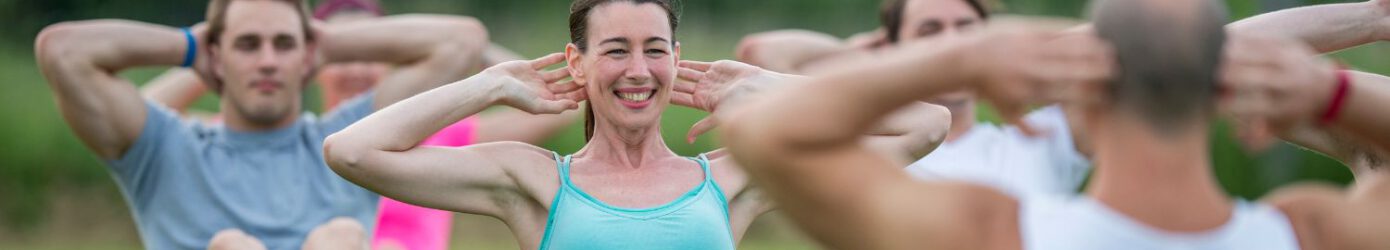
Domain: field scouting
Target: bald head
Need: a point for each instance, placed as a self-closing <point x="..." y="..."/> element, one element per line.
<point x="1167" y="52"/>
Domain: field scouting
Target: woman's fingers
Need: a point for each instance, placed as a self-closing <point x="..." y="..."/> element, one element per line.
<point x="546" y="61"/>
<point x="684" y="99"/>
<point x="555" y="75"/>
<point x="541" y="106"/>
<point x="563" y="87"/>
<point x="695" y="65"/>
<point x="701" y="127"/>
<point x="690" y="74"/>
<point x="684" y="86"/>
<point x="570" y="91"/>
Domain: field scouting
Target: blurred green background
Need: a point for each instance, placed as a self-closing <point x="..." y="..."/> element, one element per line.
<point x="55" y="194"/>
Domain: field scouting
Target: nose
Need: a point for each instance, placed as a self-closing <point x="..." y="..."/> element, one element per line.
<point x="637" y="70"/>
<point x="950" y="32"/>
<point x="267" y="60"/>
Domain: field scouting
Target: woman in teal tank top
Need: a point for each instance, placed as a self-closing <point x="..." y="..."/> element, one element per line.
<point x="625" y="189"/>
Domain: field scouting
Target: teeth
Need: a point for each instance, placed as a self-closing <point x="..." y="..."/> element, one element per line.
<point x="636" y="97"/>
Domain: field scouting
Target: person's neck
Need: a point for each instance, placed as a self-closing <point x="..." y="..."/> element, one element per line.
<point x="1371" y="184"/>
<point x="236" y="122"/>
<point x="1162" y="180"/>
<point x="962" y="121"/>
<point x="627" y="148"/>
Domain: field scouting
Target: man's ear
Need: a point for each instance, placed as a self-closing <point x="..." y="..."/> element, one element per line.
<point x="573" y="60"/>
<point x="677" y="52"/>
<point x="213" y="76"/>
<point x="312" y="58"/>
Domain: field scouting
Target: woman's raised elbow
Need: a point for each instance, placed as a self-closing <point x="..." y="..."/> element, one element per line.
<point x="340" y="153"/>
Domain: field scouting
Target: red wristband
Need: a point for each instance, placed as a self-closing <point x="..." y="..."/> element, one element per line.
<point x="1339" y="99"/>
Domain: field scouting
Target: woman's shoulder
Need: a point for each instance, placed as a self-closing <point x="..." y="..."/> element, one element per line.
<point x="518" y="152"/>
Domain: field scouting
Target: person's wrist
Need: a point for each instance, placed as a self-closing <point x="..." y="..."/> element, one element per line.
<point x="973" y="67"/>
<point x="199" y="33"/>
<point x="495" y="85"/>
<point x="1335" y="98"/>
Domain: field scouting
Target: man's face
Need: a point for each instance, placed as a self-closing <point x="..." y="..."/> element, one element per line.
<point x="941" y="20"/>
<point x="925" y="20"/>
<point x="262" y="59"/>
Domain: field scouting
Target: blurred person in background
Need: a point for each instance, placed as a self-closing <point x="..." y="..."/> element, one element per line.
<point x="1043" y="158"/>
<point x="1174" y="70"/>
<point x="257" y="178"/>
<point x="400" y="225"/>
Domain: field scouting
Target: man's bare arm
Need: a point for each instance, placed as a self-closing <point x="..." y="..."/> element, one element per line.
<point x="1278" y="83"/>
<point x="789" y="51"/>
<point x="1328" y="27"/>
<point x="429" y="50"/>
<point x="1363" y="114"/>
<point x="80" y="60"/>
<point x="910" y="133"/>
<point x="847" y="195"/>
<point x="177" y="88"/>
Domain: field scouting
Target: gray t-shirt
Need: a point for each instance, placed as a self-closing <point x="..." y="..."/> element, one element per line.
<point x="185" y="181"/>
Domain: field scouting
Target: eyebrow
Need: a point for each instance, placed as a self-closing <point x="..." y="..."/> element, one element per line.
<point x="932" y="21"/>
<point x="623" y="40"/>
<point x="271" y="36"/>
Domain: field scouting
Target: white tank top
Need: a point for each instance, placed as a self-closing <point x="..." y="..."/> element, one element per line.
<point x="1081" y="223"/>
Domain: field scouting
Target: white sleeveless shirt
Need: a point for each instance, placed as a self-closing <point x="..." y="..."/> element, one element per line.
<point x="1006" y="160"/>
<point x="1082" y="223"/>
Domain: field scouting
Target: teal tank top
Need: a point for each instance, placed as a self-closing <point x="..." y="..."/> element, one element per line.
<point x="699" y="219"/>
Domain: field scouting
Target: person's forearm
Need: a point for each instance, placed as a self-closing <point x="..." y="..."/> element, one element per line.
<point x="1328" y="27"/>
<point x="496" y="54"/>
<point x="516" y="125"/>
<point x="110" y="45"/>
<point x="401" y="39"/>
<point x="876" y="90"/>
<point x="177" y="88"/>
<point x="1363" y="113"/>
<point x="404" y="125"/>
<point x="911" y="132"/>
<point x="428" y="50"/>
<point x="788" y="51"/>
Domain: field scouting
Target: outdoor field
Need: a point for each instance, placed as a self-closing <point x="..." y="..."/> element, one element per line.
<point x="56" y="194"/>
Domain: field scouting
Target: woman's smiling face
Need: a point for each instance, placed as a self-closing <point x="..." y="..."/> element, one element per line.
<point x="629" y="66"/>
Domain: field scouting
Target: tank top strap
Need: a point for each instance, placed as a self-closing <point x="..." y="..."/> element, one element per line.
<point x="719" y="195"/>
<point x="562" y="169"/>
<point x="704" y="165"/>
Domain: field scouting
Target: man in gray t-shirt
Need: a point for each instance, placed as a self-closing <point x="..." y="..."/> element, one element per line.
<point x="259" y="180"/>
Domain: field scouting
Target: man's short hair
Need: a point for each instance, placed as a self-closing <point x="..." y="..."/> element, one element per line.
<point x="892" y="11"/>
<point x="217" y="23"/>
<point x="217" y="17"/>
<point x="1167" y="54"/>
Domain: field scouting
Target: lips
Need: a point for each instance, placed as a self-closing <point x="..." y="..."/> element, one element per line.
<point x="635" y="98"/>
<point x="266" y="86"/>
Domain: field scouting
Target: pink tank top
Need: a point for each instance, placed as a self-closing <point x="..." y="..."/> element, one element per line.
<point x="417" y="228"/>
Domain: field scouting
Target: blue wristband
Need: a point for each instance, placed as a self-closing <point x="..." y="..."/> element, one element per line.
<point x="192" y="52"/>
